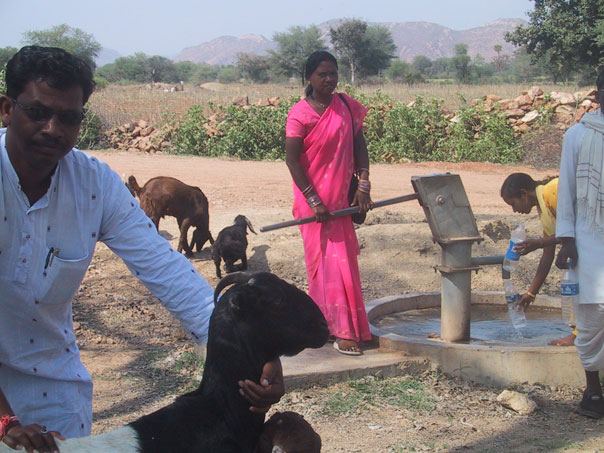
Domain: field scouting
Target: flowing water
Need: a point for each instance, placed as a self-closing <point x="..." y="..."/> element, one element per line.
<point x="490" y="325"/>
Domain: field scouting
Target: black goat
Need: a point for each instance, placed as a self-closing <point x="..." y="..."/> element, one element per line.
<point x="288" y="432"/>
<point x="231" y="245"/>
<point x="259" y="319"/>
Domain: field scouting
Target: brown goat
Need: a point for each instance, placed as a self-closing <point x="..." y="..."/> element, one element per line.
<point x="162" y="196"/>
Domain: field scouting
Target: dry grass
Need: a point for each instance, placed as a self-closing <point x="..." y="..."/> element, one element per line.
<point x="119" y="104"/>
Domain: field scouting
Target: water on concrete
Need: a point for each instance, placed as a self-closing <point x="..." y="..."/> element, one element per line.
<point x="490" y="325"/>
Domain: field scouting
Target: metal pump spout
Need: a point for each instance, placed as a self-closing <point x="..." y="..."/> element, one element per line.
<point x="488" y="260"/>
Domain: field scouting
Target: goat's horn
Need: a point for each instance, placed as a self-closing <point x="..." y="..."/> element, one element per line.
<point x="249" y="224"/>
<point x="230" y="279"/>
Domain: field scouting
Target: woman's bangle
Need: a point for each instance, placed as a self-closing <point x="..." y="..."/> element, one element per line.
<point x="528" y="293"/>
<point x="307" y="190"/>
<point x="313" y="201"/>
<point x="359" y="170"/>
<point x="364" y="185"/>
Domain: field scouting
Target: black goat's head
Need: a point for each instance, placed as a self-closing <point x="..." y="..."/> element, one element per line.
<point x="244" y="222"/>
<point x="271" y="312"/>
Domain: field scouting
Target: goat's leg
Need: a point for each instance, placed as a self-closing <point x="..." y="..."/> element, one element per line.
<point x="183" y="243"/>
<point x="243" y="262"/>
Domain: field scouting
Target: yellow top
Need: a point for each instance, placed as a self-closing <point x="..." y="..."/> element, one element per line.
<point x="547" y="196"/>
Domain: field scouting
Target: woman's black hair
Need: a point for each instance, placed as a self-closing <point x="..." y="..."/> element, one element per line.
<point x="516" y="182"/>
<point x="312" y="63"/>
<point x="55" y="66"/>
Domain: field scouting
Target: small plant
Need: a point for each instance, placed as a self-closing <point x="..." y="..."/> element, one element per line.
<point x="3" y="80"/>
<point x="91" y="131"/>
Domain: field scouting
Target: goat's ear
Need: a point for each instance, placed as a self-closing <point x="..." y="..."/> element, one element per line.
<point x="249" y="225"/>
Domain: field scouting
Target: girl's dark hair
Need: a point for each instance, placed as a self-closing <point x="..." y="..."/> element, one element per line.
<point x="55" y="66"/>
<point x="514" y="183"/>
<point x="313" y="62"/>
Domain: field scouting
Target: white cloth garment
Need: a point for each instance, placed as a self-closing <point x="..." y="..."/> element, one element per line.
<point x="590" y="339"/>
<point x="45" y="250"/>
<point x="590" y="243"/>
<point x="590" y="167"/>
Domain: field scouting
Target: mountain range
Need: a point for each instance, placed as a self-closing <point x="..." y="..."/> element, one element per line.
<point x="410" y="38"/>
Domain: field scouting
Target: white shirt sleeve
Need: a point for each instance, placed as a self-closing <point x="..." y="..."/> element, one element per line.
<point x="167" y="274"/>
<point x="567" y="185"/>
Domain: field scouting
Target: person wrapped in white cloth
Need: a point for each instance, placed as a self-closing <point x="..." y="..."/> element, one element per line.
<point x="56" y="202"/>
<point x="580" y="229"/>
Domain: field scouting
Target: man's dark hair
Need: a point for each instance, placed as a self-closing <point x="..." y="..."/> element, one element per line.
<point x="600" y="77"/>
<point x="55" y="66"/>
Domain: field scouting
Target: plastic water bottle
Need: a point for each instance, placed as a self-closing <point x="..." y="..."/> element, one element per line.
<point x="510" y="262"/>
<point x="569" y="291"/>
<point x="512" y="297"/>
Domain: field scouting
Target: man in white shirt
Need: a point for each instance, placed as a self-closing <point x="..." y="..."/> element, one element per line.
<point x="580" y="229"/>
<point x="56" y="202"/>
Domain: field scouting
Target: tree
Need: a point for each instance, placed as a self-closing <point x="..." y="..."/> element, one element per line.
<point x="205" y="73"/>
<point x="423" y="65"/>
<point x="6" y="53"/>
<point x="228" y="74"/>
<point x="350" y="43"/>
<point x="461" y="62"/>
<point x="73" y="40"/>
<point x="254" y="67"/>
<point x="567" y="34"/>
<point x="501" y="61"/>
<point x="185" y="70"/>
<point x="365" y="50"/>
<point x="380" y="50"/>
<point x="295" y="46"/>
<point x="160" y="69"/>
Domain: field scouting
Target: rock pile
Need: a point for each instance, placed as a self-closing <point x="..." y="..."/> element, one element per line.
<point x="139" y="136"/>
<point x="524" y="111"/>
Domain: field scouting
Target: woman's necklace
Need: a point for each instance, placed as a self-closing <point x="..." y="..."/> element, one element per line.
<point x="318" y="103"/>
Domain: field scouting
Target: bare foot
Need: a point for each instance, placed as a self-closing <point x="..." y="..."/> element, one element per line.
<point x="348" y="345"/>
<point x="569" y="340"/>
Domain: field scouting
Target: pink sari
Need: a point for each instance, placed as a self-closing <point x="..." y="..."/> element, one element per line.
<point x="331" y="248"/>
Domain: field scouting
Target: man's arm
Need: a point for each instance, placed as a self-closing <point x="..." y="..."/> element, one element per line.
<point x="31" y="437"/>
<point x="567" y="197"/>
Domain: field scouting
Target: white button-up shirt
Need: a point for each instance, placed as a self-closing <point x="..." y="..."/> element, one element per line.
<point x="45" y="250"/>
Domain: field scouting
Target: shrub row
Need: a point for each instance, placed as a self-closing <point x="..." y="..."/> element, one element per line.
<point x="395" y="132"/>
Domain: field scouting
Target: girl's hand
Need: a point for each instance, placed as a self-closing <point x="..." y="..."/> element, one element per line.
<point x="528" y="246"/>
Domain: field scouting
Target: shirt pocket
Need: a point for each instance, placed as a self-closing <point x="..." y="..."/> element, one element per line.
<point x="60" y="280"/>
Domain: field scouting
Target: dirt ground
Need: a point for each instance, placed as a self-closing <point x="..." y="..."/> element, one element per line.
<point x="140" y="359"/>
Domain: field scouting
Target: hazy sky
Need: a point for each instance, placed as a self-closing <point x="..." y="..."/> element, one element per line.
<point x="166" y="27"/>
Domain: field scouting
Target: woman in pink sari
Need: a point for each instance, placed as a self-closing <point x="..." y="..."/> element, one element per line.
<point x="325" y="146"/>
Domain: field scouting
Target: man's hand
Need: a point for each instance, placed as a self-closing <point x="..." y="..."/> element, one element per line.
<point x="270" y="391"/>
<point x="568" y="253"/>
<point x="32" y="437"/>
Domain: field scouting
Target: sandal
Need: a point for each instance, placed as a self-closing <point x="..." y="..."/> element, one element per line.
<point x="336" y="346"/>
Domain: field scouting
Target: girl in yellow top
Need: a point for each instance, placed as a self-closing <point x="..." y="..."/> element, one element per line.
<point x="523" y="193"/>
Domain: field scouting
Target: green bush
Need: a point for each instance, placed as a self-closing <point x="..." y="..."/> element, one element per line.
<point x="395" y="132"/>
<point x="190" y="136"/>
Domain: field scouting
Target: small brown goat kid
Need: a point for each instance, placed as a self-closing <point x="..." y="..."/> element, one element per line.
<point x="288" y="432"/>
<point x="162" y="196"/>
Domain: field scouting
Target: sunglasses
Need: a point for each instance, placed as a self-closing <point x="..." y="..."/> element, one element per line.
<point x="41" y="114"/>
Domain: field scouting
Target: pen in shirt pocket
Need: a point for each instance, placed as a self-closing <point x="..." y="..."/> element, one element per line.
<point x="52" y="252"/>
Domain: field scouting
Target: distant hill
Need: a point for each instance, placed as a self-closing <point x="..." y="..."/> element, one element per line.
<point x="224" y="50"/>
<point x="411" y="39"/>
